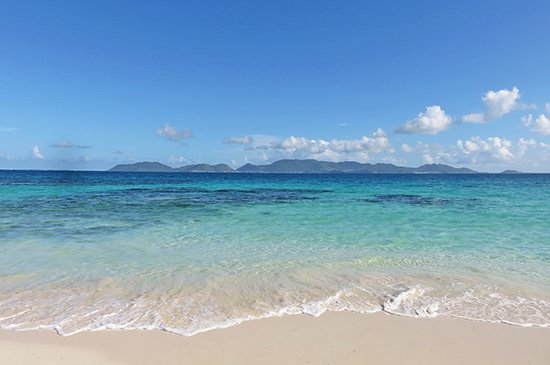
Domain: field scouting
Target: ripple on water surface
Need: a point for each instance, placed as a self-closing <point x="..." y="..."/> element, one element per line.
<point x="190" y="252"/>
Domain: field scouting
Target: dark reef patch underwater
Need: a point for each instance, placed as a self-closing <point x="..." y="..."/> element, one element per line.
<point x="188" y="252"/>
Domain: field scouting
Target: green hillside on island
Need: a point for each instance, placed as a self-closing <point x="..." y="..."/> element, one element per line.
<point x="298" y="167"/>
<point x="159" y="167"/>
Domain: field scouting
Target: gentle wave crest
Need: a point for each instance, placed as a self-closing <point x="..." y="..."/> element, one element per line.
<point x="70" y="311"/>
<point x="186" y="253"/>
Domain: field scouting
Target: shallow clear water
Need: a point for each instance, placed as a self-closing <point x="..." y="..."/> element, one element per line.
<point x="190" y="252"/>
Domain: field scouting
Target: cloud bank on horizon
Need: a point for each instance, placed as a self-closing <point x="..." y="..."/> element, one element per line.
<point x="89" y="87"/>
<point x="471" y="151"/>
<point x="378" y="147"/>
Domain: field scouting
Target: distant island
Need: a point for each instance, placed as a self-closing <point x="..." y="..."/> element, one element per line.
<point x="159" y="167"/>
<point x="289" y="166"/>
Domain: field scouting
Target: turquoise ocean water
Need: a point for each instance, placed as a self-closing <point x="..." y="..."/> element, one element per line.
<point x="190" y="252"/>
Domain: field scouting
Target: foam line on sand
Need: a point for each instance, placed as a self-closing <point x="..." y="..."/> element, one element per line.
<point x="333" y="338"/>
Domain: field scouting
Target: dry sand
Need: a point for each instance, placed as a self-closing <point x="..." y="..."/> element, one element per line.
<point x="334" y="338"/>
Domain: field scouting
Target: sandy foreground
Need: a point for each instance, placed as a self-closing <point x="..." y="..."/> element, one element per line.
<point x="333" y="338"/>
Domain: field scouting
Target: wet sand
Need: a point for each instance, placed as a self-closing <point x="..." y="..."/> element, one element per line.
<point x="333" y="338"/>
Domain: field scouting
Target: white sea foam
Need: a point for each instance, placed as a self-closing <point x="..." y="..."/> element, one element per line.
<point x="409" y="303"/>
<point x="173" y="312"/>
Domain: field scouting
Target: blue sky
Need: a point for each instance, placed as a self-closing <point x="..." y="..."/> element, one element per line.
<point x="86" y="85"/>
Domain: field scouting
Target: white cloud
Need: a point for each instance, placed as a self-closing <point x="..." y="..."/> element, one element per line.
<point x="62" y="145"/>
<point x="501" y="102"/>
<point x="36" y="153"/>
<point x="68" y="145"/>
<point x="422" y="146"/>
<point x="406" y="148"/>
<point x="483" y="150"/>
<point x="497" y="103"/>
<point x="178" y="159"/>
<point x="8" y="129"/>
<point x="263" y="139"/>
<point x="427" y="158"/>
<point x="262" y="142"/>
<point x="547" y="106"/>
<point x="432" y="121"/>
<point x="527" y="120"/>
<point x="336" y="149"/>
<point x="238" y="140"/>
<point x="476" y="151"/>
<point x="524" y="144"/>
<point x="171" y="133"/>
<point x="474" y="118"/>
<point x="542" y="125"/>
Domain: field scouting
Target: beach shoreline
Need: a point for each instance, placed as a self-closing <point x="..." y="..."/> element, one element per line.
<point x="333" y="338"/>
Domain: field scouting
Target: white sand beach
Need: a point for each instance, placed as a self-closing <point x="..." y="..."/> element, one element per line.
<point x="333" y="338"/>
